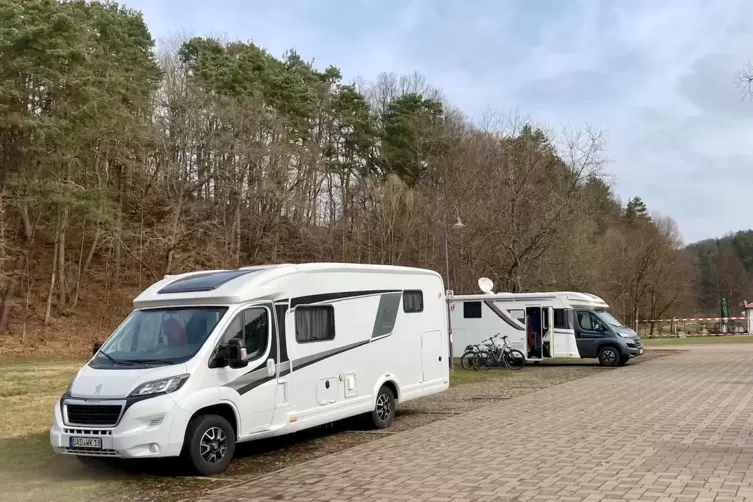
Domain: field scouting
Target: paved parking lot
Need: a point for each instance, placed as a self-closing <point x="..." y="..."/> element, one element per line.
<point x="676" y="428"/>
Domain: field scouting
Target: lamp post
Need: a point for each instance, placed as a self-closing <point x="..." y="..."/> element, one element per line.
<point x="457" y="226"/>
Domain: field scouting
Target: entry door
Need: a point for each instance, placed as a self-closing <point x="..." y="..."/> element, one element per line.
<point x="534" y="329"/>
<point x="254" y="385"/>
<point x="431" y="355"/>
<point x="589" y="331"/>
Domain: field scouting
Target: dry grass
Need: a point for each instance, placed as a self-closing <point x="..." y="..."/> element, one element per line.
<point x="28" y="391"/>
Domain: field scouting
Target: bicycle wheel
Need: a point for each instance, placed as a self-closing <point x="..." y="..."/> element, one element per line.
<point x="466" y="360"/>
<point x="514" y="359"/>
<point x="481" y="361"/>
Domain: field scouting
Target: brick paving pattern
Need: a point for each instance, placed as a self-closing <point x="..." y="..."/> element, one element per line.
<point x="676" y="428"/>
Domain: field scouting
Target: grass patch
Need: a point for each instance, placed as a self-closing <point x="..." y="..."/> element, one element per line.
<point x="699" y="340"/>
<point x="29" y="388"/>
<point x="462" y="376"/>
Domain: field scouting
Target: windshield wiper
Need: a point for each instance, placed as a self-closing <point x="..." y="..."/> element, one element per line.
<point x="151" y="361"/>
<point x="113" y="360"/>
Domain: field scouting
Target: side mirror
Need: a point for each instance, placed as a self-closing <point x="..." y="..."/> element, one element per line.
<point x="235" y="353"/>
<point x="96" y="347"/>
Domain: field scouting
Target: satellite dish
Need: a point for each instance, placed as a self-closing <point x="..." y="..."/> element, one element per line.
<point x="485" y="285"/>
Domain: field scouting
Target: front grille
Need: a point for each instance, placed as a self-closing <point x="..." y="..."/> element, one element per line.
<point x="94" y="414"/>
<point x="88" y="432"/>
<point x="91" y="451"/>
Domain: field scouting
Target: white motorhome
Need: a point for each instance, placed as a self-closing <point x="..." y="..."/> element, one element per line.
<point x="208" y="359"/>
<point x="543" y="325"/>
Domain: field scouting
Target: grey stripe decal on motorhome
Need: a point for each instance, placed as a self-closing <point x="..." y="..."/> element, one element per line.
<point x="386" y="314"/>
<point x="384" y="323"/>
<point x="259" y="377"/>
<point x="248" y="378"/>
<point x="343" y="295"/>
<point x="503" y="316"/>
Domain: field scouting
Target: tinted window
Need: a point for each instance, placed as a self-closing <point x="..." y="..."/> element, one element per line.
<point x="413" y="301"/>
<point x="472" y="310"/>
<point x="251" y="326"/>
<point x="561" y="319"/>
<point x="314" y="323"/>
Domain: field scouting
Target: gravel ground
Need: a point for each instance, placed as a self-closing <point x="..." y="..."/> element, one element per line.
<point x="254" y="459"/>
<point x="470" y="391"/>
<point x="472" y="396"/>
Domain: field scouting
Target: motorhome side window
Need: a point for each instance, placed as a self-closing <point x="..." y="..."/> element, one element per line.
<point x="589" y="321"/>
<point x="472" y="310"/>
<point x="413" y="301"/>
<point x="314" y="323"/>
<point x="251" y="326"/>
<point x="561" y="319"/>
<point x="519" y="315"/>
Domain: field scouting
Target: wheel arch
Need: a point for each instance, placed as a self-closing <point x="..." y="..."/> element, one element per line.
<point x="224" y="410"/>
<point x="391" y="383"/>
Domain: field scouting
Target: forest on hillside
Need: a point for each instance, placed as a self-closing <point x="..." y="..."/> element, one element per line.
<point x="120" y="163"/>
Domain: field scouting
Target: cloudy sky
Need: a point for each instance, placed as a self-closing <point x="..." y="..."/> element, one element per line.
<point x="657" y="77"/>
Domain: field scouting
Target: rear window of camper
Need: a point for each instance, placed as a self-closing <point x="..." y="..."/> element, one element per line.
<point x="413" y="301"/>
<point x="472" y="310"/>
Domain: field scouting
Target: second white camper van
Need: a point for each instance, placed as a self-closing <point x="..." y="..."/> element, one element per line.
<point x="543" y="325"/>
<point x="209" y="359"/>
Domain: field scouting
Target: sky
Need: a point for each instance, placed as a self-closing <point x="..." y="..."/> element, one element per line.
<point x="658" y="78"/>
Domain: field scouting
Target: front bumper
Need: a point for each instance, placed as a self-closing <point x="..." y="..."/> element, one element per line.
<point x="634" y="351"/>
<point x="149" y="428"/>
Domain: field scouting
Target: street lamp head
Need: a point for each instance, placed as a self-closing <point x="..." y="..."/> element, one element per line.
<point x="458" y="224"/>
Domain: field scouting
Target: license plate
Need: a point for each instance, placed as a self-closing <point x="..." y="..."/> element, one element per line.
<point x="91" y="443"/>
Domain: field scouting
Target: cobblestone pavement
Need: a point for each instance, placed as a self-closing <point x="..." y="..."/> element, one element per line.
<point x="675" y="428"/>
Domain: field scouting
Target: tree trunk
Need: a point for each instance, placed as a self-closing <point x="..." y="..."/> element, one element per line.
<point x="62" y="226"/>
<point x="83" y="269"/>
<point x="119" y="229"/>
<point x="237" y="225"/>
<point x="48" y="310"/>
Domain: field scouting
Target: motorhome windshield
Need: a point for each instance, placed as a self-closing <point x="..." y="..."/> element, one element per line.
<point x="155" y="337"/>
<point x="607" y="317"/>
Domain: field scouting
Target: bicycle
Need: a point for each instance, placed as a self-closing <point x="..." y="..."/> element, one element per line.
<point x="466" y="360"/>
<point x="497" y="355"/>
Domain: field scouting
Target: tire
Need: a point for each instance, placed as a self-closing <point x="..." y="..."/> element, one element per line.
<point x="466" y="361"/>
<point x="609" y="356"/>
<point x="514" y="359"/>
<point x="209" y="444"/>
<point x="482" y="361"/>
<point x="384" y="410"/>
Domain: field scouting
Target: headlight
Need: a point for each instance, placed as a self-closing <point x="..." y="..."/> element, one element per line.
<point x="163" y="386"/>
<point x="626" y="335"/>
